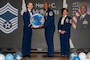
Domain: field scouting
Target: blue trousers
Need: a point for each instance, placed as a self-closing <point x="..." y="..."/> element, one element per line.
<point x="64" y="42"/>
<point x="26" y="43"/>
<point x="49" y="34"/>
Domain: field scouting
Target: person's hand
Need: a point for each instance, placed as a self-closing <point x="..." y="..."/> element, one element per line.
<point x="41" y="26"/>
<point x="62" y="32"/>
<point x="34" y="27"/>
<point x="37" y="27"/>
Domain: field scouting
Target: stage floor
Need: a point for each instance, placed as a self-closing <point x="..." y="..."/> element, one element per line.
<point x="38" y="56"/>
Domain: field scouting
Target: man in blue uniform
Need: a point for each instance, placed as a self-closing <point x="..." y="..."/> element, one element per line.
<point x="64" y="26"/>
<point x="49" y="29"/>
<point x="27" y="31"/>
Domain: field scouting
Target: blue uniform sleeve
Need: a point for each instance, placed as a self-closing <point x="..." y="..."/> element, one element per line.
<point x="70" y="22"/>
<point x="50" y="19"/>
<point x="26" y="19"/>
<point x="24" y="16"/>
<point x="59" y="24"/>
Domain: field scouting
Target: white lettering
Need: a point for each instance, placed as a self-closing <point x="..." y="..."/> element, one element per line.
<point x="38" y="5"/>
<point x="56" y="12"/>
<point x="52" y="5"/>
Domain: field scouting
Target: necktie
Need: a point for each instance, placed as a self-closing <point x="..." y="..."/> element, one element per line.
<point x="62" y="21"/>
<point x="81" y="18"/>
<point x="30" y="13"/>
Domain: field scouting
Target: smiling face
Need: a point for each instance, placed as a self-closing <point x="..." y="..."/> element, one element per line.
<point x="65" y="12"/>
<point x="46" y="5"/>
<point x="83" y="9"/>
<point x="30" y="5"/>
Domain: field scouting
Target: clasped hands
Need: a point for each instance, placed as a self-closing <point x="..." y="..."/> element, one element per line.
<point x="62" y="31"/>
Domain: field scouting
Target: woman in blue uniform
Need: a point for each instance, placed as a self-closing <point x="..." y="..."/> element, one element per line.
<point x="64" y="26"/>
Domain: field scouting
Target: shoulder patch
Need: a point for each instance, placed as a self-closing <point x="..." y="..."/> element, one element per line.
<point x="71" y="21"/>
<point x="50" y="13"/>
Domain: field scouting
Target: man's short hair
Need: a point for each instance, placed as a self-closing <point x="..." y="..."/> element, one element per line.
<point x="46" y="2"/>
<point x="28" y="3"/>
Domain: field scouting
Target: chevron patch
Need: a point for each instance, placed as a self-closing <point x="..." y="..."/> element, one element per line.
<point x="8" y="18"/>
